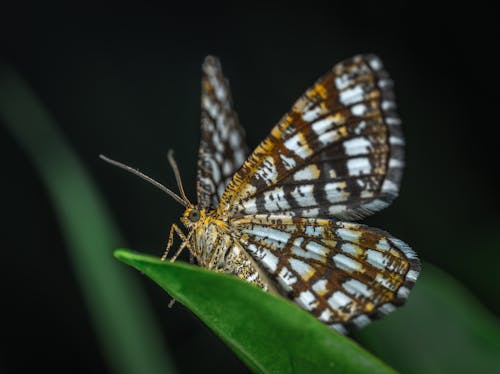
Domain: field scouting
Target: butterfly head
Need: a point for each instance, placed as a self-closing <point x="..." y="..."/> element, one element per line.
<point x="192" y="216"/>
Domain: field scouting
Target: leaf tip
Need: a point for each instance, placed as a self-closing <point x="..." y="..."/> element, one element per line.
<point x="121" y="254"/>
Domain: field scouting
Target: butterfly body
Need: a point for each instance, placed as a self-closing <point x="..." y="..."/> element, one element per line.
<point x="213" y="241"/>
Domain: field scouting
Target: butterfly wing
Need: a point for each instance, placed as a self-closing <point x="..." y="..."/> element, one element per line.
<point x="222" y="148"/>
<point x="337" y="154"/>
<point x="345" y="274"/>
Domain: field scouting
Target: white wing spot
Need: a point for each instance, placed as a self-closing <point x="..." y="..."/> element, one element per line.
<point x="303" y="195"/>
<point x="384" y="83"/>
<point x="311" y="114"/>
<point x="383" y="245"/>
<point x="329" y="137"/>
<point x="314" y="230"/>
<point x="393" y="121"/>
<point x="387" y="308"/>
<point x="375" y="63"/>
<point x="348" y="235"/>
<point x="350" y="249"/>
<point x="359" y="166"/>
<point x="388" y="104"/>
<point x="389" y="186"/>
<point x="227" y="167"/>
<point x="302" y="268"/>
<point x="360" y="127"/>
<point x="322" y="125"/>
<point x="270" y="261"/>
<point x="215" y="170"/>
<point x="339" y="300"/>
<point x="336" y="209"/>
<point x="357" y="146"/>
<point x="403" y="292"/>
<point x="361" y="321"/>
<point x="309" y="172"/>
<point x="342" y="81"/>
<point x="376" y="259"/>
<point x="312" y="212"/>
<point x="339" y="328"/>
<point x="336" y="192"/>
<point x="351" y="95"/>
<point x="298" y="242"/>
<point x="286" y="279"/>
<point x="298" y="145"/>
<point x="317" y="248"/>
<point x="275" y="200"/>
<point x="395" y="163"/>
<point x="356" y="288"/>
<point x="250" y="206"/>
<point x="383" y="281"/>
<point x="325" y="315"/>
<point x="267" y="172"/>
<point x="358" y="109"/>
<point x="288" y="162"/>
<point x="234" y="140"/>
<point x="268" y="232"/>
<point x="394" y="140"/>
<point x="307" y="300"/>
<point x="346" y="263"/>
<point x="412" y="275"/>
<point x="320" y="287"/>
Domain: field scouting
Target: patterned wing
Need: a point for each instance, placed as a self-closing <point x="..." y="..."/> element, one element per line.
<point x="345" y="274"/>
<point x="222" y="148"/>
<point x="337" y="154"/>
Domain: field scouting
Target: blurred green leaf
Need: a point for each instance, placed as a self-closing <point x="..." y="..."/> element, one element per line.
<point x="442" y="329"/>
<point x="268" y="333"/>
<point x="125" y="325"/>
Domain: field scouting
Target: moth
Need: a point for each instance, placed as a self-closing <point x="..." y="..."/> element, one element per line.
<point x="282" y="217"/>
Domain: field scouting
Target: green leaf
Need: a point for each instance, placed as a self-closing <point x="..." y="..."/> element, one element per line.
<point x="119" y="311"/>
<point x="442" y="329"/>
<point x="270" y="334"/>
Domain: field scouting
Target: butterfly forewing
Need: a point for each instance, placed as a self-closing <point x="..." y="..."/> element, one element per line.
<point x="222" y="148"/>
<point x="337" y="154"/>
<point x="343" y="273"/>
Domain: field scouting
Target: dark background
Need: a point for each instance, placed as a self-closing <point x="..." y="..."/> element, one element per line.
<point x="125" y="81"/>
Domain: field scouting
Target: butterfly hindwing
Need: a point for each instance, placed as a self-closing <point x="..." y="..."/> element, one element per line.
<point x="337" y="154"/>
<point x="345" y="274"/>
<point x="222" y="148"/>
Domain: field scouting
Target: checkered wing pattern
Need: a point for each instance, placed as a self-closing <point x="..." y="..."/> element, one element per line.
<point x="222" y="148"/>
<point x="345" y="274"/>
<point x="337" y="154"/>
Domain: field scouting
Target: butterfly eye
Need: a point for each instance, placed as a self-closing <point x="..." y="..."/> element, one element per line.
<point x="194" y="215"/>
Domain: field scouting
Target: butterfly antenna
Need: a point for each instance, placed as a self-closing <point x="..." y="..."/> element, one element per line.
<point x="177" y="174"/>
<point x="146" y="178"/>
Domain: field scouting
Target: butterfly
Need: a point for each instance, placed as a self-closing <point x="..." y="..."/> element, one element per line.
<point x="282" y="217"/>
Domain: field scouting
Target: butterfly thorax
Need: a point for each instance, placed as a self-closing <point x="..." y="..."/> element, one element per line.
<point x="215" y="244"/>
<point x="209" y="236"/>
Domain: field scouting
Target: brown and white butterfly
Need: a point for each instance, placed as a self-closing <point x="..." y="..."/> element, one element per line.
<point x="279" y="218"/>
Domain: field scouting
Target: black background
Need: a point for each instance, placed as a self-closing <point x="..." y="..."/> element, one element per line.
<point x="125" y="81"/>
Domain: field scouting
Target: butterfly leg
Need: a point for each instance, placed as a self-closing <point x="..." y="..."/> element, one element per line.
<point x="213" y="260"/>
<point x="185" y="241"/>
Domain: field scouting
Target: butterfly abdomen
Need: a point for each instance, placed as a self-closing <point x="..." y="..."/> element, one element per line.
<point x="215" y="247"/>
